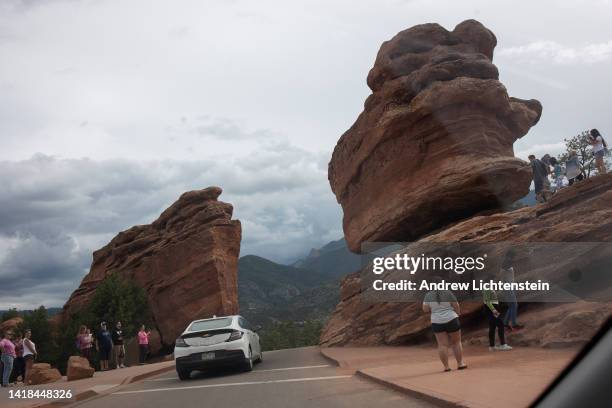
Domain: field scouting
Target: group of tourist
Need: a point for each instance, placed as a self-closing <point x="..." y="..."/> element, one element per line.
<point x="18" y="355"/>
<point x="19" y="352"/>
<point x="501" y="310"/>
<point x="110" y="344"/>
<point x="574" y="171"/>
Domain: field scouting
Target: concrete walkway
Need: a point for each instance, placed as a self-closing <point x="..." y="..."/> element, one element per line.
<point x="100" y="383"/>
<point x="497" y="379"/>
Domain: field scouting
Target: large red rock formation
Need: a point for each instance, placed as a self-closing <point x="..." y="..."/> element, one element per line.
<point x="434" y="142"/>
<point x="580" y="213"/>
<point x="10" y="324"/>
<point x="42" y="373"/>
<point x="78" y="368"/>
<point x="186" y="261"/>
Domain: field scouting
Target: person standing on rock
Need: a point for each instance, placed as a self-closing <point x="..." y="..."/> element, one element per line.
<point x="573" y="169"/>
<point x="143" y="344"/>
<point x="8" y="356"/>
<point x="599" y="150"/>
<point x="118" y="347"/>
<point x="444" y="310"/>
<point x="104" y="345"/>
<point x="507" y="271"/>
<point x="29" y="355"/>
<point x="557" y="173"/>
<point x="540" y="178"/>
<point x="491" y="300"/>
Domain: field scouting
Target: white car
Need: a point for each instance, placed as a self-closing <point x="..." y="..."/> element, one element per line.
<point x="220" y="341"/>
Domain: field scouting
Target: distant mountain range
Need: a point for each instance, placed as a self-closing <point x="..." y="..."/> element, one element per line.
<point x="308" y="289"/>
<point x="51" y="311"/>
<point x="333" y="259"/>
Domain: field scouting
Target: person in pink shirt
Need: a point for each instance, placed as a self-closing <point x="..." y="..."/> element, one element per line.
<point x="8" y="356"/>
<point x="143" y="343"/>
<point x="85" y="342"/>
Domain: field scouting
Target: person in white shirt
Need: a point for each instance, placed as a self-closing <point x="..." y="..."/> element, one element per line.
<point x="599" y="150"/>
<point x="29" y="355"/>
<point x="445" y="311"/>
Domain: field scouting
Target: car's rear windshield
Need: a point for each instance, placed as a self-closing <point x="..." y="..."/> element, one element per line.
<point x="210" y="324"/>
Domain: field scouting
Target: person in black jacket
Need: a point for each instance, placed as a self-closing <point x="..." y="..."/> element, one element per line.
<point x="118" y="347"/>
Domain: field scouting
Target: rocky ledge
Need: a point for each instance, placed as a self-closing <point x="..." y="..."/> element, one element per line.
<point x="580" y="213"/>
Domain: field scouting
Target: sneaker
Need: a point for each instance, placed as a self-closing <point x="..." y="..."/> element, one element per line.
<point x="503" y="347"/>
<point x="492" y="348"/>
<point x="122" y="366"/>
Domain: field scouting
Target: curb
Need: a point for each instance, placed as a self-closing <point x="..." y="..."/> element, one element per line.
<point x="85" y="395"/>
<point x="139" y="377"/>
<point x="431" y="398"/>
<point x="329" y="359"/>
<point x="62" y="403"/>
<point x="434" y="399"/>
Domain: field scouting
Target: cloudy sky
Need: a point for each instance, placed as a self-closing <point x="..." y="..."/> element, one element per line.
<point x="109" y="110"/>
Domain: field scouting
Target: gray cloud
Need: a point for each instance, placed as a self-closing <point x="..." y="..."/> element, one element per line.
<point x="54" y="212"/>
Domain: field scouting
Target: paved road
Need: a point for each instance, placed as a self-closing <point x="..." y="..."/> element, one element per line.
<point x="286" y="378"/>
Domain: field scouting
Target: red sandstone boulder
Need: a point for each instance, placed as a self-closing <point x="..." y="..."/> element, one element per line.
<point x="434" y="142"/>
<point x="580" y="213"/>
<point x="186" y="261"/>
<point x="10" y="324"/>
<point x="78" y="368"/>
<point x="42" y="373"/>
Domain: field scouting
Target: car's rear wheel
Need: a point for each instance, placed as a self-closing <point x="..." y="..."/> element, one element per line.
<point x="248" y="362"/>
<point x="260" y="358"/>
<point x="183" y="374"/>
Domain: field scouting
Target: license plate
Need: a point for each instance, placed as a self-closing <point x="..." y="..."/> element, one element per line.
<point x="208" y="356"/>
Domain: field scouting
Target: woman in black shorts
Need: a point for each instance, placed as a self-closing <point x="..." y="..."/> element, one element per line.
<point x="445" y="311"/>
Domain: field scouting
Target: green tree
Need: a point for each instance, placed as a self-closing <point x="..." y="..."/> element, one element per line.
<point x="42" y="334"/>
<point x="115" y="299"/>
<point x="291" y="334"/>
<point x="580" y="144"/>
<point x="118" y="299"/>
<point x="10" y="314"/>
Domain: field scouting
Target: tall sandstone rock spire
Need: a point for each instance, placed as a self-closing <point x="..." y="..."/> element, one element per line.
<point x="427" y="159"/>
<point x="434" y="142"/>
<point x="186" y="261"/>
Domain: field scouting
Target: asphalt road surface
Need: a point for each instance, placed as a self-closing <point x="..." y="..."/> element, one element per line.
<point x="286" y="378"/>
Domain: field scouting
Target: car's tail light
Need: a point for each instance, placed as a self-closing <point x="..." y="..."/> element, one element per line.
<point x="236" y="335"/>
<point x="180" y="342"/>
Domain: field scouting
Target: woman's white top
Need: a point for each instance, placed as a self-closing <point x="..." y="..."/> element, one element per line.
<point x="26" y="350"/>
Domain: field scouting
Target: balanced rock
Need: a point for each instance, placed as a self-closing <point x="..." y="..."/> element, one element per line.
<point x="42" y="373"/>
<point x="78" y="368"/>
<point x="577" y="214"/>
<point x="434" y="143"/>
<point x="186" y="261"/>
